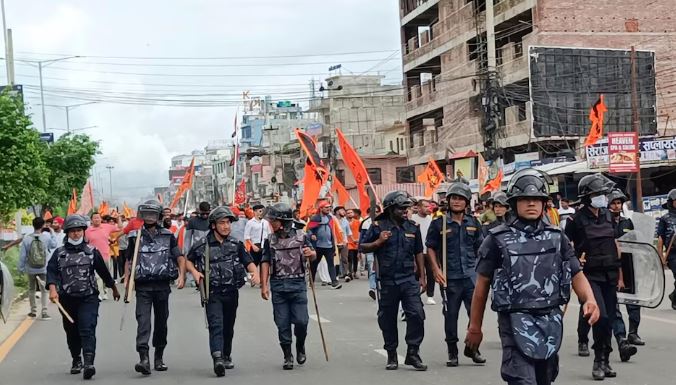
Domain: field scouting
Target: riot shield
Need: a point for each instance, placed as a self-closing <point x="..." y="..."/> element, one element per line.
<point x="6" y="292"/>
<point x="643" y="274"/>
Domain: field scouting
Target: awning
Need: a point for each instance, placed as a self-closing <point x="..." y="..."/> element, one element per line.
<point x="462" y="155"/>
<point x="552" y="169"/>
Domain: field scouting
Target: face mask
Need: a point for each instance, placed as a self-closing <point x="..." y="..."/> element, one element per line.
<point x="599" y="202"/>
<point x="75" y="242"/>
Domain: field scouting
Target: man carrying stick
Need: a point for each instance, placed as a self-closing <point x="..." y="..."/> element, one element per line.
<point x="72" y="284"/>
<point x="283" y="263"/>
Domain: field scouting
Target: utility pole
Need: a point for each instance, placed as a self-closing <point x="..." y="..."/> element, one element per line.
<point x="4" y="36"/>
<point x="637" y="128"/>
<point x="110" y="177"/>
<point x="489" y="98"/>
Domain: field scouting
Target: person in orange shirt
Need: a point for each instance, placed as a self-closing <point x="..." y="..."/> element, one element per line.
<point x="353" y="256"/>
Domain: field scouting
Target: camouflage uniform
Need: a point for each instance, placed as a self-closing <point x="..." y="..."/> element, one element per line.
<point x="227" y="262"/>
<point x="283" y="252"/>
<point x="530" y="266"/>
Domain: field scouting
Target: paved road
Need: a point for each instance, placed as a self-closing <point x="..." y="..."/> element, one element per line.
<point x="41" y="357"/>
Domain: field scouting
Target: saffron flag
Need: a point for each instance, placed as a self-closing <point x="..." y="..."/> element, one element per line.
<point x="494" y="184"/>
<point x="72" y="205"/>
<point x="315" y="173"/>
<point x="240" y="194"/>
<point x="596" y="116"/>
<point x="185" y="185"/>
<point x="339" y="189"/>
<point x="159" y="198"/>
<point x="356" y="166"/>
<point x="103" y="208"/>
<point x="127" y="211"/>
<point x="431" y="178"/>
<point x="47" y="215"/>
<point x="483" y="171"/>
<point x="87" y="201"/>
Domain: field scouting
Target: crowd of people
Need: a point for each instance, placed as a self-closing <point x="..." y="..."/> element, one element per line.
<point x="519" y="247"/>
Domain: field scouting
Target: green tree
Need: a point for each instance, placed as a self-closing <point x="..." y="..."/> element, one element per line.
<point x="23" y="173"/>
<point x="69" y="159"/>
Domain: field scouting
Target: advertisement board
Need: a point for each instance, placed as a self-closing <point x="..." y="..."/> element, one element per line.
<point x="622" y="152"/>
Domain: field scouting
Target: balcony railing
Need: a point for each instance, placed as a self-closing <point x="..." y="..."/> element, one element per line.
<point x="408" y="6"/>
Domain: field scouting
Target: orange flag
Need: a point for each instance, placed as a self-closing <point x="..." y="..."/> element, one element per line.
<point x="87" y="201"/>
<point x="339" y="189"/>
<point x="72" y="206"/>
<point x="483" y="172"/>
<point x="103" y="208"/>
<point x="186" y="184"/>
<point x="431" y="178"/>
<point x="312" y="185"/>
<point x="47" y="215"/>
<point x="127" y="211"/>
<point x="494" y="184"/>
<point x="596" y="116"/>
<point x="356" y="166"/>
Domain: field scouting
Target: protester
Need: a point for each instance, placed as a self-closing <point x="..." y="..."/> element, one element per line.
<point x="423" y="219"/>
<point x="325" y="234"/>
<point x="33" y="259"/>
<point x="341" y="215"/>
<point x="354" y="218"/>
<point x="256" y="231"/>
<point x="565" y="212"/>
<point x="98" y="236"/>
<point x="238" y="227"/>
<point x="368" y="257"/>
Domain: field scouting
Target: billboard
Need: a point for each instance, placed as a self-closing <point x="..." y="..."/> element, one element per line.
<point x="566" y="82"/>
<point x="622" y="152"/>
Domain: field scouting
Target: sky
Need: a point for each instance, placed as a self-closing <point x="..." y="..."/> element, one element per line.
<point x="166" y="77"/>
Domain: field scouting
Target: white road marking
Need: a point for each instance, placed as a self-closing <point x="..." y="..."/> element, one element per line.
<point x="643" y="316"/>
<point x="324" y="320"/>
<point x="383" y="353"/>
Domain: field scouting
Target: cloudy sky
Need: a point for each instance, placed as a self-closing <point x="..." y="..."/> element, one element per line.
<point x="167" y="76"/>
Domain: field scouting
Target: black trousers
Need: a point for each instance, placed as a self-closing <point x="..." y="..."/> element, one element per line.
<point x="327" y="253"/>
<point x="157" y="302"/>
<point x="618" y="325"/>
<point x="81" y="335"/>
<point x="606" y="297"/>
<point x="408" y="294"/>
<point x="256" y="256"/>
<point x="429" y="274"/>
<point x="290" y="308"/>
<point x="221" y="314"/>
<point x="458" y="293"/>
<point x="353" y="262"/>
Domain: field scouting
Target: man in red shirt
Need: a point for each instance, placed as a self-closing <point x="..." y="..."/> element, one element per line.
<point x="98" y="236"/>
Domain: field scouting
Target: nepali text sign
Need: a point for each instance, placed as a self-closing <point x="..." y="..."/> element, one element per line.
<point x="653" y="150"/>
<point x="622" y="151"/>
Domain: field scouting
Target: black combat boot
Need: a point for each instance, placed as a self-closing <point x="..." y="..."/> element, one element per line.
<point x="626" y="350"/>
<point x="219" y="364"/>
<point x="159" y="363"/>
<point x="228" y="362"/>
<point x="583" y="349"/>
<point x="143" y="366"/>
<point x="300" y="351"/>
<point x="476" y="356"/>
<point x="413" y="359"/>
<point x="452" y="355"/>
<point x="607" y="370"/>
<point x="89" y="370"/>
<point x="634" y="339"/>
<point x="392" y="360"/>
<point x="76" y="368"/>
<point x="597" y="370"/>
<point x="288" y="357"/>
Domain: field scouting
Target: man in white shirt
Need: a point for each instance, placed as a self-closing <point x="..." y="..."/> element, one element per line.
<point x="423" y="219"/>
<point x="565" y="212"/>
<point x="255" y="232"/>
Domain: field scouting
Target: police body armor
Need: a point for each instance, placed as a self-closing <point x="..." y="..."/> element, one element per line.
<point x="530" y="286"/>
<point x="155" y="262"/>
<point x="600" y="247"/>
<point x="225" y="267"/>
<point x="396" y="260"/>
<point x="287" y="255"/>
<point x="77" y="271"/>
<point x="670" y="219"/>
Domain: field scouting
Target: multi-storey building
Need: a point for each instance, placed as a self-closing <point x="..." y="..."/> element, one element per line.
<point x="446" y="71"/>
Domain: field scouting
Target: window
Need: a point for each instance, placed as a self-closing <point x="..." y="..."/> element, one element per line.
<point x="340" y="174"/>
<point x="405" y="174"/>
<point x="375" y="175"/>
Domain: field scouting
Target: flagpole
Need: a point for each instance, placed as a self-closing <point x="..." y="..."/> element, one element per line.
<point x="235" y="162"/>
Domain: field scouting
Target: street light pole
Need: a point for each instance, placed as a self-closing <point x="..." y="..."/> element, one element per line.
<point x="42" y="100"/>
<point x="7" y="54"/>
<point x="110" y="176"/>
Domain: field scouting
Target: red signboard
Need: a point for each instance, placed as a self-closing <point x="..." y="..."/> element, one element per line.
<point x="623" y="152"/>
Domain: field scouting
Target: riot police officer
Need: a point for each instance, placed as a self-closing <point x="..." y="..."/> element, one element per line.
<point x="283" y="263"/>
<point x="666" y="232"/>
<point x="71" y="281"/>
<point x="463" y="238"/>
<point x="227" y="260"/>
<point x="592" y="231"/>
<point x="500" y="209"/>
<point x="397" y="245"/>
<point x="530" y="267"/>
<point x="158" y="263"/>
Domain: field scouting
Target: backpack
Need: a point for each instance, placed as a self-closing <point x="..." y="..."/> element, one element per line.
<point x="37" y="257"/>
